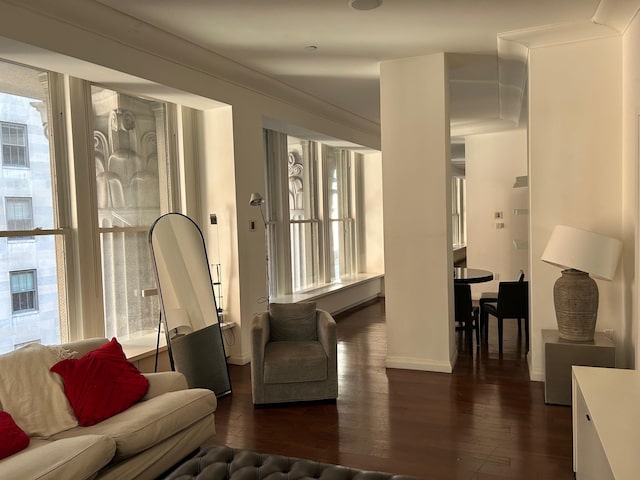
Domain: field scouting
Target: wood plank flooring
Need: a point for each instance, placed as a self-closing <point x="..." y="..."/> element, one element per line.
<point x="486" y="421"/>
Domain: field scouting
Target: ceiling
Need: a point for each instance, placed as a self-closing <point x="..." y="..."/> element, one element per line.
<point x="327" y="55"/>
<point x="275" y="38"/>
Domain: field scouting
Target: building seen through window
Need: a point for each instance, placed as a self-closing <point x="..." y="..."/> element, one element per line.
<point x="30" y="309"/>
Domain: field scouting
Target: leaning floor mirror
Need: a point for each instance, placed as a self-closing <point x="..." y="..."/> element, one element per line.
<point x="188" y="307"/>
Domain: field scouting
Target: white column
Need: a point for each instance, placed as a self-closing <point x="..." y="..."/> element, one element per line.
<point x="417" y="212"/>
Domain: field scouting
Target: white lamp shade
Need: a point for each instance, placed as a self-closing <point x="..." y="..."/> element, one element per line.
<point x="595" y="254"/>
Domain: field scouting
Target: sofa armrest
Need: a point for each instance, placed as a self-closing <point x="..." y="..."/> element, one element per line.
<point x="162" y="382"/>
<point x="84" y="346"/>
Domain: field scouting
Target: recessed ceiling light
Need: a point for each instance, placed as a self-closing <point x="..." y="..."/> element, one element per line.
<point x="364" y="4"/>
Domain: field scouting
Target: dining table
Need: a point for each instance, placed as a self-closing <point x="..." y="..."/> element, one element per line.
<point x="471" y="275"/>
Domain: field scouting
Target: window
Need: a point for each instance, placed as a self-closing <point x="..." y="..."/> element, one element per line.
<point x="24" y="295"/>
<point x="303" y="213"/>
<point x="337" y="181"/>
<point x="131" y="154"/>
<point x="14" y="145"/>
<point x="19" y="213"/>
<point x="315" y="244"/>
<point x="34" y="271"/>
<point x="131" y="177"/>
<point x="458" y="217"/>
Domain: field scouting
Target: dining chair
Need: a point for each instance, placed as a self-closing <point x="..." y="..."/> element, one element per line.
<point x="466" y="315"/>
<point x="512" y="302"/>
<point x="490" y="297"/>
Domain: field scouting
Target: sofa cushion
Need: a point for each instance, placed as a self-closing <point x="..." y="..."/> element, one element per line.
<point x="101" y="383"/>
<point x="32" y="394"/>
<point x="292" y="321"/>
<point x="13" y="437"/>
<point x="150" y="422"/>
<point x="73" y="458"/>
<point x="293" y="362"/>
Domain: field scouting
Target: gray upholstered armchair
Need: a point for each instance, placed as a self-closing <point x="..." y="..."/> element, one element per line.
<point x="294" y="355"/>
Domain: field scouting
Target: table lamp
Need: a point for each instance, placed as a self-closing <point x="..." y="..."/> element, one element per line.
<point x="582" y="255"/>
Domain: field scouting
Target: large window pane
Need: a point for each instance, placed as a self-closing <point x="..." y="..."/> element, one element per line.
<point x="301" y="171"/>
<point x="305" y="255"/>
<point x="31" y="272"/>
<point x="303" y="215"/>
<point x="458" y="220"/>
<point x="130" y="148"/>
<point x="338" y="178"/>
<point x="127" y="270"/>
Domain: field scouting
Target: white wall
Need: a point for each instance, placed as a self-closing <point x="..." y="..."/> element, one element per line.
<point x="575" y="166"/>
<point x="217" y="178"/>
<point x="373" y="221"/>
<point x="417" y="206"/>
<point x="493" y="161"/>
<point x="630" y="150"/>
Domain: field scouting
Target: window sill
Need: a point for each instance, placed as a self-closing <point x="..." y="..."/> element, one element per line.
<point x="325" y="290"/>
<point x="144" y="346"/>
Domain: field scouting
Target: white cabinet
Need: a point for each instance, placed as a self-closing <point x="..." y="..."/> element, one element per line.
<point x="606" y="423"/>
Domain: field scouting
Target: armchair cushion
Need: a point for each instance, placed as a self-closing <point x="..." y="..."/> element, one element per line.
<point x="293" y="322"/>
<point x="294" y="362"/>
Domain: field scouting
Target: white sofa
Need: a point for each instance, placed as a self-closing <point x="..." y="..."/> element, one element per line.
<point x="142" y="442"/>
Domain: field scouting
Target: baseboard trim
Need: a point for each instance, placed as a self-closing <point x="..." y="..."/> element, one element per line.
<point x="424" y="364"/>
<point x="238" y="359"/>
<point x="535" y="375"/>
<point x="357" y="306"/>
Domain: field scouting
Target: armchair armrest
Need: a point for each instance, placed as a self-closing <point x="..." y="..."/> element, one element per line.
<point x="327" y="336"/>
<point x="259" y="338"/>
<point x="260" y="332"/>
<point x="162" y="382"/>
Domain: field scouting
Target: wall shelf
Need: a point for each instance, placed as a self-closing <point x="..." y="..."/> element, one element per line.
<point x="521" y="244"/>
<point x="521" y="182"/>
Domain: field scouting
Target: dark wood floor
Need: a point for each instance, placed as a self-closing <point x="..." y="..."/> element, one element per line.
<point x="485" y="421"/>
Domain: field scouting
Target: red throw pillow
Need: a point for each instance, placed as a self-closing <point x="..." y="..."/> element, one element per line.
<point x="101" y="383"/>
<point x="13" y="438"/>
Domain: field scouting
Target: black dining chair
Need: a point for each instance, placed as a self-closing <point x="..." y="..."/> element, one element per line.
<point x="467" y="316"/>
<point x="490" y="297"/>
<point x="512" y="302"/>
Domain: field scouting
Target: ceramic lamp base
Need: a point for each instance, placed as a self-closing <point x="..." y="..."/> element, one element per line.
<point x="575" y="295"/>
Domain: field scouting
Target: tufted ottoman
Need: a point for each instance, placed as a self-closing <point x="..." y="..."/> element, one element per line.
<point x="214" y="462"/>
